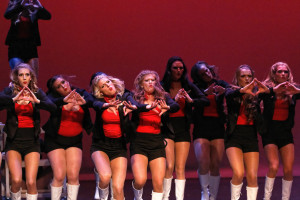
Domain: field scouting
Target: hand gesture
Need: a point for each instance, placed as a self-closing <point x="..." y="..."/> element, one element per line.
<point x="24" y="2"/>
<point x="79" y="99"/>
<point x="179" y="95"/>
<point x="32" y="96"/>
<point x="291" y="89"/>
<point x="261" y="87"/>
<point x="37" y="4"/>
<point x="71" y="98"/>
<point x="248" y="89"/>
<point x="186" y="95"/>
<point x="219" y="90"/>
<point x="26" y="95"/>
<point x="113" y="103"/>
<point x="128" y="107"/>
<point x="163" y="106"/>
<point x="280" y="88"/>
<point x="152" y="105"/>
<point x="210" y="90"/>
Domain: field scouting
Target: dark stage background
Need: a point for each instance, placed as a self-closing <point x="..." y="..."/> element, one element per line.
<point x="121" y="38"/>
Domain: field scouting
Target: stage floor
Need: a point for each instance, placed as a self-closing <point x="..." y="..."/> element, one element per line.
<point x="192" y="191"/>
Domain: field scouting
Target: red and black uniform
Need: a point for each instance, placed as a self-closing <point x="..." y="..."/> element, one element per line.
<point x="111" y="129"/>
<point x="241" y="132"/>
<point x="177" y="127"/>
<point x="278" y="119"/>
<point x="64" y="128"/>
<point x="23" y="122"/>
<point x="23" y="36"/>
<point x="209" y="120"/>
<point x="147" y="139"/>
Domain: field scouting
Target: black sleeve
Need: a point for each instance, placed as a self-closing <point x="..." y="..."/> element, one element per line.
<point x="5" y="100"/>
<point x="57" y="100"/>
<point x="87" y="97"/>
<point x="43" y="14"/>
<point x="13" y="8"/>
<point x="197" y="96"/>
<point x="98" y="105"/>
<point x="174" y="107"/>
<point x="231" y="93"/>
<point x="45" y="102"/>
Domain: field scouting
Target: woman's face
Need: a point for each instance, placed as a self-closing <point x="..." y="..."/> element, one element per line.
<point x="245" y="77"/>
<point x="281" y="74"/>
<point x="205" y="74"/>
<point x="177" y="70"/>
<point x="24" y="77"/>
<point x="148" y="83"/>
<point x="62" y="87"/>
<point x="106" y="87"/>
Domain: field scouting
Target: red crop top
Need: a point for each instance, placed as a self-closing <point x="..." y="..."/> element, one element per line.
<point x="180" y="112"/>
<point x="242" y="118"/>
<point x="25" y="115"/>
<point x="111" y="124"/>
<point x="281" y="110"/>
<point x="211" y="110"/>
<point x="71" y="122"/>
<point x="149" y="122"/>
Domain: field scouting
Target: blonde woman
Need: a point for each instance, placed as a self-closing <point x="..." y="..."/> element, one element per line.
<point x="279" y="112"/>
<point x="147" y="146"/>
<point x="23" y="127"/>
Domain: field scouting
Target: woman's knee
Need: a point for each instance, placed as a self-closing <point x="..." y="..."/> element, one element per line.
<point x="31" y="183"/>
<point x="105" y="178"/>
<point x="17" y="181"/>
<point x="238" y="175"/>
<point x="180" y="170"/>
<point x="170" y="166"/>
<point x="139" y="182"/>
<point x="118" y="189"/>
<point x="273" y="166"/>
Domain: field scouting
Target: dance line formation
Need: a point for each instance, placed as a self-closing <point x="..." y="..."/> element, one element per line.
<point x="154" y="120"/>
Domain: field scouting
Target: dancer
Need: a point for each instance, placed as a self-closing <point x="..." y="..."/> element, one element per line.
<point x="63" y="138"/>
<point x="23" y="36"/>
<point x="241" y="135"/>
<point x="186" y="94"/>
<point x="23" y="128"/>
<point x="147" y="145"/>
<point x="108" y="150"/>
<point x="279" y="112"/>
<point x="209" y="130"/>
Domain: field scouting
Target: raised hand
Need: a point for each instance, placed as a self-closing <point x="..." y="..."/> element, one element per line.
<point x="248" y="89"/>
<point x="219" y="90"/>
<point x="37" y="4"/>
<point x="128" y="107"/>
<point x="71" y="98"/>
<point x="25" y="95"/>
<point x="210" y="90"/>
<point x="24" y="2"/>
<point x="18" y="97"/>
<point x="291" y="89"/>
<point x="261" y="87"/>
<point x="280" y="88"/>
<point x="186" y="95"/>
<point x="31" y="96"/>
<point x="163" y="106"/>
<point x="152" y="105"/>
<point x="179" y="95"/>
<point x="113" y="103"/>
<point x="79" y="99"/>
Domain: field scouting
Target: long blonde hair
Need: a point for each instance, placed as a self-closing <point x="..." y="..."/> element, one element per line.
<point x="270" y="81"/>
<point x="139" y="92"/>
<point x="15" y="85"/>
<point x="119" y="85"/>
